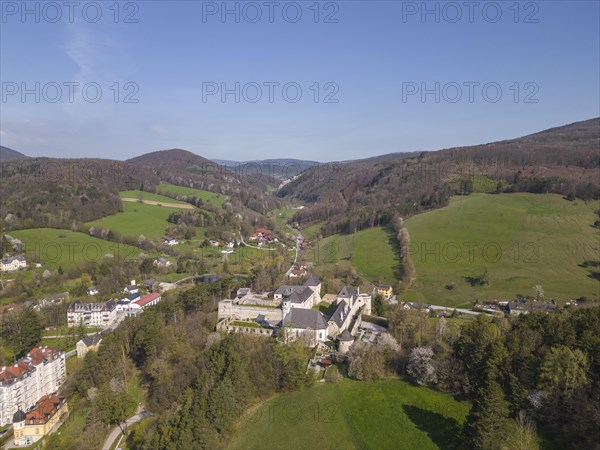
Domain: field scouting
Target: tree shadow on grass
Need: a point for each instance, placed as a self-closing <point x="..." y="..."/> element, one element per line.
<point x="445" y="432"/>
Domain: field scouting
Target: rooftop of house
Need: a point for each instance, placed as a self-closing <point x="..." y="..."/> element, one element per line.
<point x="305" y="319"/>
<point x="10" y="259"/>
<point x="340" y="313"/>
<point x="44" y="409"/>
<point x="144" y="300"/>
<point x="345" y="336"/>
<point x="348" y="292"/>
<point x="312" y="281"/>
<point x="27" y="364"/>
<point x="92" y="339"/>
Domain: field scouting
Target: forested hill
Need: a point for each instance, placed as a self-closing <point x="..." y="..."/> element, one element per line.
<point x="185" y="168"/>
<point x="368" y="192"/>
<point x="8" y="154"/>
<point x="62" y="193"/>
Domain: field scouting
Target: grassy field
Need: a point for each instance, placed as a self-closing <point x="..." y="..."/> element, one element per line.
<point x="281" y="215"/>
<point x="311" y="231"/>
<point x="136" y="219"/>
<point x="150" y="196"/>
<point x="208" y="197"/>
<point x="354" y="415"/>
<point x="369" y="251"/>
<point x="66" y="248"/>
<point x="522" y="239"/>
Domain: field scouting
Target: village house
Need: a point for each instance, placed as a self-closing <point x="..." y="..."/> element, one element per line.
<point x="91" y="314"/>
<point x="43" y="418"/>
<point x="291" y="310"/>
<point x="88" y="344"/>
<point x="132" y="288"/>
<point x="92" y="290"/>
<point x="423" y="307"/>
<point x="161" y="262"/>
<point x="170" y="241"/>
<point x="12" y="263"/>
<point x="39" y="373"/>
<point x="295" y="273"/>
<point x="384" y="290"/>
<point x="142" y="303"/>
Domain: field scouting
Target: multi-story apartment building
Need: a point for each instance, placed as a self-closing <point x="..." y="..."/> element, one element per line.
<point x="91" y="314"/>
<point x="22" y="384"/>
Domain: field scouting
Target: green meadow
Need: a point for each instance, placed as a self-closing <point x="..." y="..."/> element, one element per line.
<point x="354" y="415"/>
<point x="370" y="251"/>
<point x="207" y="197"/>
<point x="521" y="239"/>
<point x="136" y="219"/>
<point x="281" y="215"/>
<point x="310" y="231"/>
<point x="150" y="196"/>
<point x="66" y="248"/>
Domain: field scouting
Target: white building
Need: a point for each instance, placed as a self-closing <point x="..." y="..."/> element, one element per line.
<point x="144" y="302"/>
<point x="91" y="314"/>
<point x="291" y="310"/>
<point x="12" y="263"/>
<point x="39" y="373"/>
<point x="171" y="241"/>
<point x="92" y="290"/>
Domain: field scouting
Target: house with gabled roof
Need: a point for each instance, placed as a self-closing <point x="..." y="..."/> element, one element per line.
<point x="88" y="344"/>
<point x="308" y="324"/>
<point x="43" y="418"/>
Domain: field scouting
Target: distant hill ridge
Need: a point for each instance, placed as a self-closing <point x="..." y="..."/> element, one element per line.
<point x="8" y="154"/>
<point x="358" y="194"/>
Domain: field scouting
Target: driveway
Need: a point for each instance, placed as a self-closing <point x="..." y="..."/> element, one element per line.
<point x="114" y="433"/>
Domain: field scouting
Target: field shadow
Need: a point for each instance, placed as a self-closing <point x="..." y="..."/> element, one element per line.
<point x="443" y="431"/>
<point x="593" y="267"/>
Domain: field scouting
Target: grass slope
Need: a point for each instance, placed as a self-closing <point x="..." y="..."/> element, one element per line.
<point x="281" y="215"/>
<point x="66" y="248"/>
<point x="150" y="196"/>
<point x="370" y="251"/>
<point x="354" y="415"/>
<point x="211" y="198"/>
<point x="136" y="219"/>
<point x="522" y="239"/>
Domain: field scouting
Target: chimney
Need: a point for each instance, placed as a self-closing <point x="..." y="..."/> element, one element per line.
<point x="133" y="282"/>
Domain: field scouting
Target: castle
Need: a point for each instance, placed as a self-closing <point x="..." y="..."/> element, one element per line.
<point x="293" y="309"/>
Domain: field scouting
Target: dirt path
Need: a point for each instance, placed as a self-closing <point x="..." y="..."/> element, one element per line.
<point x="152" y="202"/>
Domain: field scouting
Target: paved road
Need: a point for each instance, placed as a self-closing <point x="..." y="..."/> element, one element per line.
<point x="299" y="240"/>
<point x="114" y="433"/>
<point x="460" y="310"/>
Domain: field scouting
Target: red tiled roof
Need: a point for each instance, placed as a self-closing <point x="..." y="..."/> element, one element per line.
<point x="44" y="409"/>
<point x="147" y="299"/>
<point x="35" y="357"/>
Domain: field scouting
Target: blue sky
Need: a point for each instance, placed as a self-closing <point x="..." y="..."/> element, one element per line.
<point x="375" y="61"/>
